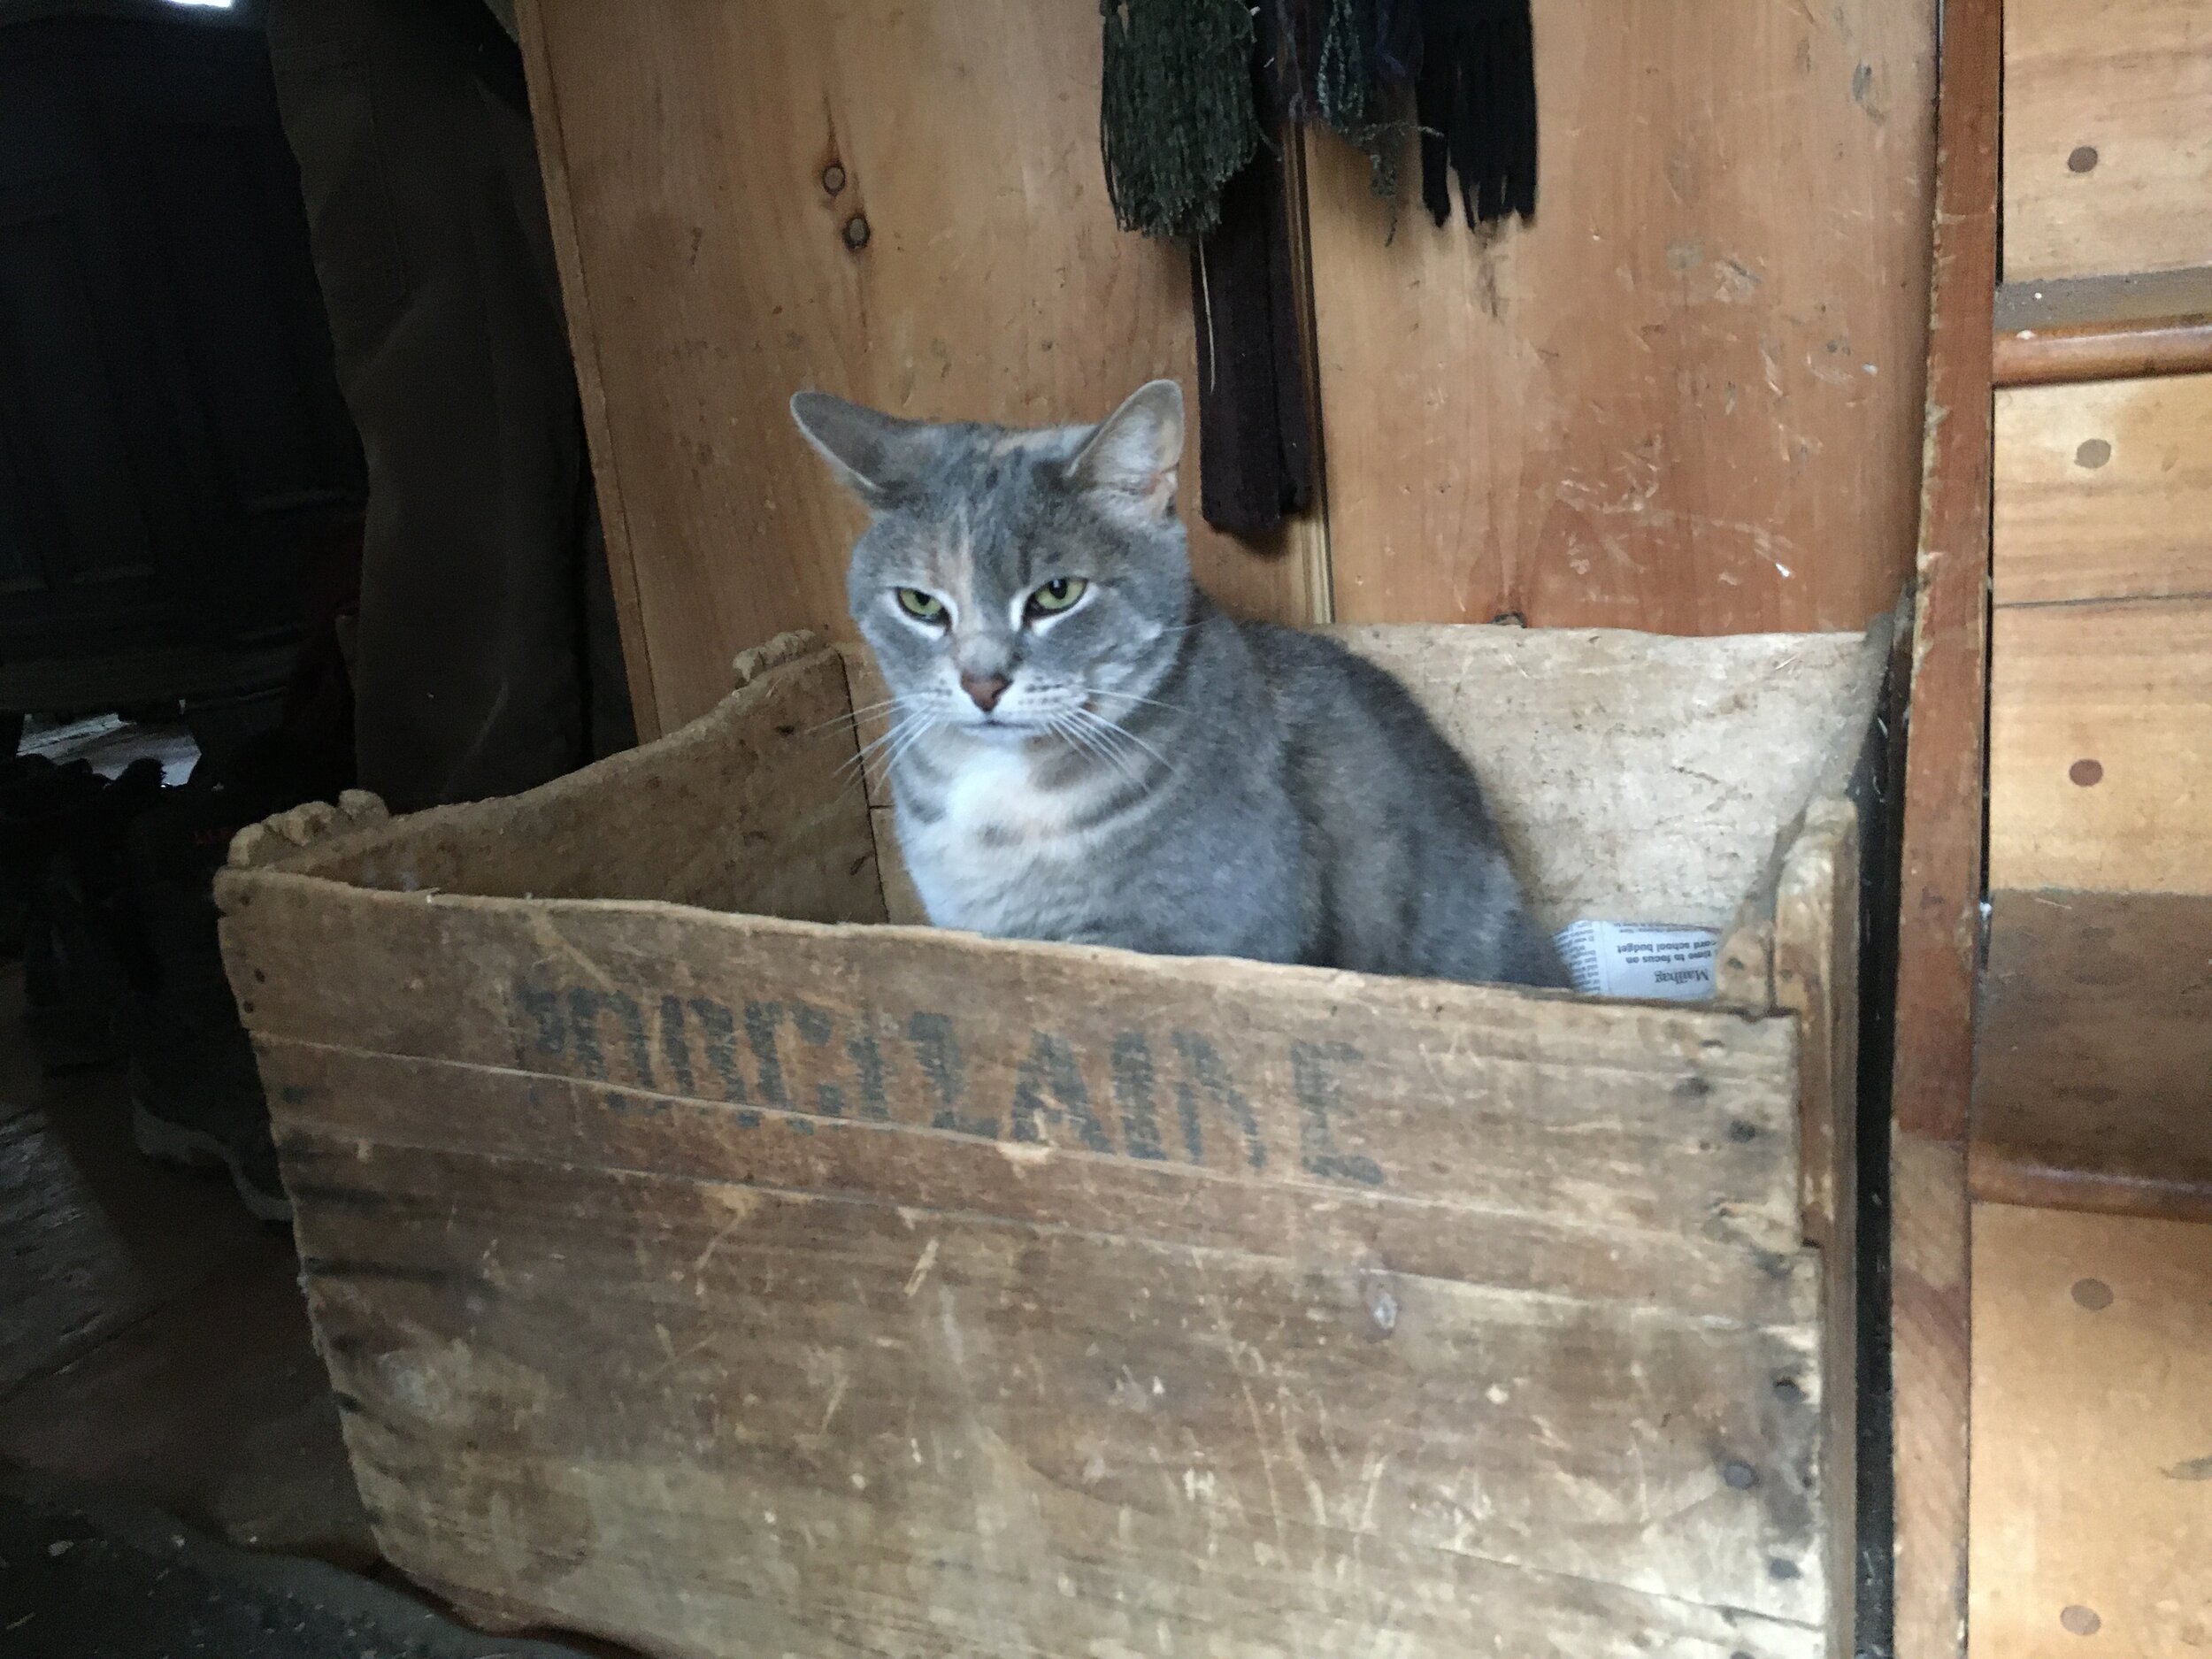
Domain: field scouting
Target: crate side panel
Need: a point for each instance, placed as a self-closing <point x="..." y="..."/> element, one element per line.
<point x="1656" y="1118"/>
<point x="756" y="806"/>
<point x="342" y="1097"/>
<point x="909" y="1433"/>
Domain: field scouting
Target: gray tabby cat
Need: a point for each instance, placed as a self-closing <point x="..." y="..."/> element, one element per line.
<point x="1084" y="749"/>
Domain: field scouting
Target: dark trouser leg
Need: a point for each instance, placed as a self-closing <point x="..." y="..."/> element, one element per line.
<point x="478" y="666"/>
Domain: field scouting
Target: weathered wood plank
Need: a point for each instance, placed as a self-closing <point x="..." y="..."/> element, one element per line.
<point x="755" y="808"/>
<point x="2093" y="1434"/>
<point x="1816" y="974"/>
<point x="2103" y="491"/>
<point x="2095" y="1055"/>
<point x="2100" y="747"/>
<point x="1940" y="878"/>
<point x="898" y="1434"/>
<point x="1687" y="397"/>
<point x="344" y="1098"/>
<point x="1661" y="1118"/>
<point x="2108" y="153"/>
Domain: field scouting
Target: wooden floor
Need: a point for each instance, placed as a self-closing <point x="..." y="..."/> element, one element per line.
<point x="2093" y="1436"/>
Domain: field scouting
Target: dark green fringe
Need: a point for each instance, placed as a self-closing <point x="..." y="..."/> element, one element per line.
<point x="1175" y="117"/>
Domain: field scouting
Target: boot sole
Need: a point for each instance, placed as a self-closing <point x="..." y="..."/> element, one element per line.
<point x="194" y="1149"/>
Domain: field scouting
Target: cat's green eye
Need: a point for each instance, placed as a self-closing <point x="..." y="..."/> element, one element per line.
<point x="921" y="606"/>
<point x="1057" y="595"/>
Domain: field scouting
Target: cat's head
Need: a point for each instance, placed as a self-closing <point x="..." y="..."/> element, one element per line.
<point x="1010" y="579"/>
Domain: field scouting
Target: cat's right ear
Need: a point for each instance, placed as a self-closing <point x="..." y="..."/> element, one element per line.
<point x="873" y="454"/>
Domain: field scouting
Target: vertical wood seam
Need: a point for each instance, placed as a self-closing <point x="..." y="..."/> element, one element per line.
<point x="1942" y="856"/>
<point x="583" y="344"/>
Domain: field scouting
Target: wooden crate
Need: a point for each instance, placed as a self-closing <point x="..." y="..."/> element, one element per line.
<point x="703" y="1262"/>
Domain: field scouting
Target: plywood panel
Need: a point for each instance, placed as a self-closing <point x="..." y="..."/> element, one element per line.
<point x="711" y="272"/>
<point x="2093" y="1436"/>
<point x="1687" y="398"/>
<point x="2108" y="137"/>
<point x="2096" y="1054"/>
<point x="2103" y="491"/>
<point x="2100" y="747"/>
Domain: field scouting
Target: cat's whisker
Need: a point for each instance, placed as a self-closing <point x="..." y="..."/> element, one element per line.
<point x="921" y="726"/>
<point x="901" y="724"/>
<point x="851" y="718"/>
<point x="1131" y="697"/>
<point x="1090" y="745"/>
<point x="1123" y="732"/>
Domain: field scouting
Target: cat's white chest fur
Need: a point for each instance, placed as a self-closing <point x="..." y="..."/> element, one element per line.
<point x="975" y="864"/>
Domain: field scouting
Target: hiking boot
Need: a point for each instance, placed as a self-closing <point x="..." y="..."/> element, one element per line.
<point x="204" y="1110"/>
<point x="196" y="1091"/>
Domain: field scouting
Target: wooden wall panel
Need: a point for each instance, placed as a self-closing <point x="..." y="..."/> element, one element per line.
<point x="709" y="276"/>
<point x="2093" y="1075"/>
<point x="1688" y="396"/>
<point x="2093" y="1435"/>
<point x="2108" y="137"/>
<point x="2103" y="491"/>
<point x="2095" y="1057"/>
<point x="2100" y="747"/>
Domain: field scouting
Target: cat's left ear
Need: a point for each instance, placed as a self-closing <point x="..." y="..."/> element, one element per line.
<point x="1135" y="453"/>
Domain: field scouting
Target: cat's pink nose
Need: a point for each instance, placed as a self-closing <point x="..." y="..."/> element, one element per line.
<point x="986" y="689"/>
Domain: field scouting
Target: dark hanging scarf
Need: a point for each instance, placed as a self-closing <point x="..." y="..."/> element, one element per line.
<point x="1193" y="97"/>
<point x="1476" y="101"/>
<point x="1254" y="422"/>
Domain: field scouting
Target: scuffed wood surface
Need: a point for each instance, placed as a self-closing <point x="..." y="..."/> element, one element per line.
<point x="1492" y="1291"/>
<point x="1940" y="881"/>
<point x="824" y="1429"/>
<point x="1469" y="1096"/>
<point x="2095" y="1057"/>
<point x="2093" y="1435"/>
<point x="710" y="271"/>
<point x="1686" y="398"/>
<point x="1638" y="778"/>
<point x="1817" y="975"/>
<point x="2127" y="82"/>
<point x="2103" y="491"/>
<point x="2100" y="747"/>
<point x="755" y="806"/>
